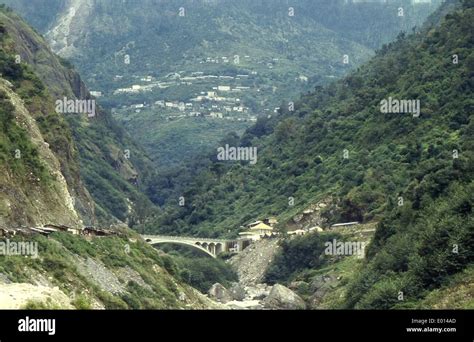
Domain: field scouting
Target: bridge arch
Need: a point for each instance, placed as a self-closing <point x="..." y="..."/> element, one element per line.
<point x="184" y="243"/>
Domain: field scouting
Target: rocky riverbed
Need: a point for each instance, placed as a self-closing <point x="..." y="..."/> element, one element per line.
<point x="250" y="293"/>
<point x="256" y="297"/>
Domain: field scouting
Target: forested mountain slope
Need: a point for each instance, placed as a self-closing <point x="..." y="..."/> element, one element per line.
<point x="338" y="143"/>
<point x="184" y="30"/>
<point x="409" y="172"/>
<point x="259" y="52"/>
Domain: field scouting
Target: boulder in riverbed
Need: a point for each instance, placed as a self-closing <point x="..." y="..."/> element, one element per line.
<point x="219" y="293"/>
<point x="237" y="292"/>
<point x="281" y="297"/>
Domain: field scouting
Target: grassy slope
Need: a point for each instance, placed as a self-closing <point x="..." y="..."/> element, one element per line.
<point x="142" y="274"/>
<point x="458" y="293"/>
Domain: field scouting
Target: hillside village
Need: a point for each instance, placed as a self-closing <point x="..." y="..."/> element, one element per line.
<point x="220" y="99"/>
<point x="222" y="92"/>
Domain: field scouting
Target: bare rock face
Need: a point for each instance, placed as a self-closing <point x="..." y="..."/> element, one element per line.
<point x="283" y="298"/>
<point x="311" y="217"/>
<point x="219" y="293"/>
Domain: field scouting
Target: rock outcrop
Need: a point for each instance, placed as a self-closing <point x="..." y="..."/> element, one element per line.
<point x="320" y="286"/>
<point x="238" y="292"/>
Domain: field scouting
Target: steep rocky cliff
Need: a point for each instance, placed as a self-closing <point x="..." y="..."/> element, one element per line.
<point x="101" y="166"/>
<point x="69" y="168"/>
<point x="42" y="183"/>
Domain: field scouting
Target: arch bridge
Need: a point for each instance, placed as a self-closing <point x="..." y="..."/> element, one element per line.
<point x="211" y="247"/>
